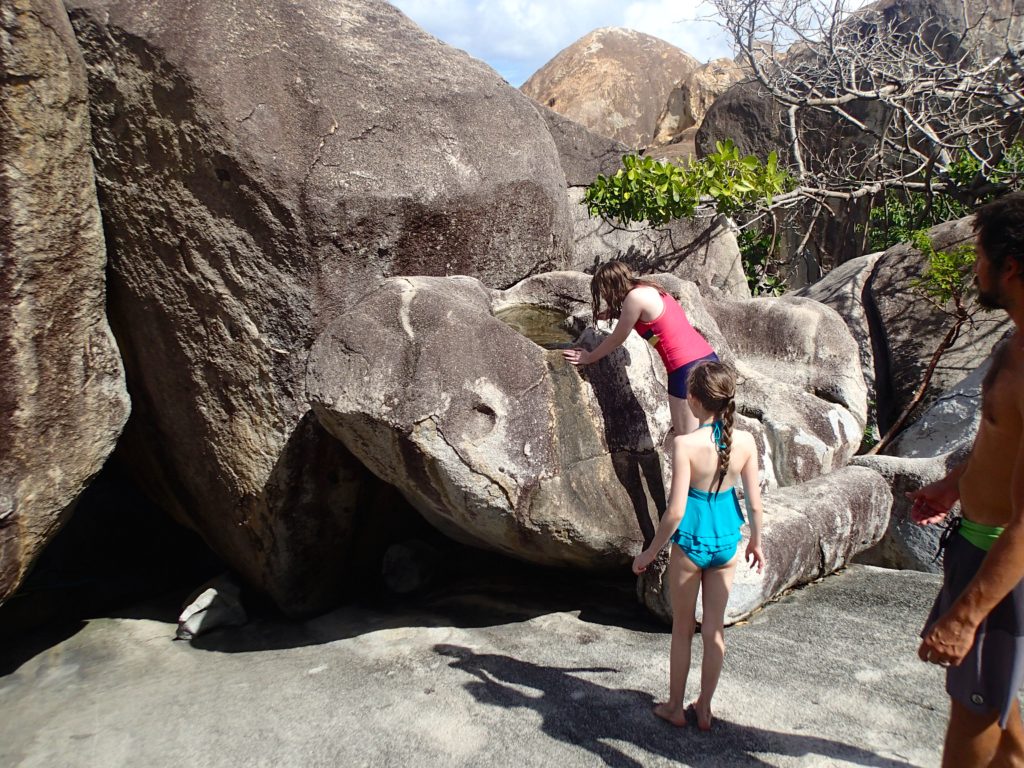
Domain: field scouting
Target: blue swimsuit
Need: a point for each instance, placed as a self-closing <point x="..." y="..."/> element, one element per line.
<point x="710" y="528"/>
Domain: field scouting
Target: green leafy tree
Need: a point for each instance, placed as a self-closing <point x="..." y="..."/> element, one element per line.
<point x="965" y="184"/>
<point x="724" y="182"/>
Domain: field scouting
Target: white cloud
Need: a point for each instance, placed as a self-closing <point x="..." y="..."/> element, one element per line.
<point x="687" y="24"/>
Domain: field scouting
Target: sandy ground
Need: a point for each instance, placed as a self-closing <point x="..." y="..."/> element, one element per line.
<point x="483" y="674"/>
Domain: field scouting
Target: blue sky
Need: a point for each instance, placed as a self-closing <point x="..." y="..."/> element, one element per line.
<point x="517" y="37"/>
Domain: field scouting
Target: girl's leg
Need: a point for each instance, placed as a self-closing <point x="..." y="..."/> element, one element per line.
<point x="716" y="583"/>
<point x="684" y="581"/>
<point x="683" y="420"/>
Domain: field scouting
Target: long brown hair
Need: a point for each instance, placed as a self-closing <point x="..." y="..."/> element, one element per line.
<point x="610" y="284"/>
<point x="714" y="386"/>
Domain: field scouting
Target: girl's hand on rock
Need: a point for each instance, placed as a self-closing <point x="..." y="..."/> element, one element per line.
<point x="642" y="561"/>
<point x="576" y="356"/>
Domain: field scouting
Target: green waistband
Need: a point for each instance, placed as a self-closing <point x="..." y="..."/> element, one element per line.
<point x="981" y="536"/>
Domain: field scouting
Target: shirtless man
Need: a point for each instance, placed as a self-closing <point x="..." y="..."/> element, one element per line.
<point x="976" y="628"/>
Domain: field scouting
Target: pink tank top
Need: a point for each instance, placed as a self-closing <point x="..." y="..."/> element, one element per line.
<point x="676" y="340"/>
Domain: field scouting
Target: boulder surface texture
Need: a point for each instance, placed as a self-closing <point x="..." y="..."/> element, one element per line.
<point x="261" y="165"/>
<point x="62" y="398"/>
<point x="693" y="96"/>
<point x="614" y="81"/>
<point x="501" y="443"/>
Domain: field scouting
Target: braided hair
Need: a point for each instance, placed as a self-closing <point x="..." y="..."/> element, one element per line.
<point x="610" y="284"/>
<point x="714" y="386"/>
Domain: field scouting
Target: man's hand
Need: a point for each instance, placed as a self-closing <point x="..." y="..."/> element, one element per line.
<point x="947" y="642"/>
<point x="577" y="356"/>
<point x="932" y="503"/>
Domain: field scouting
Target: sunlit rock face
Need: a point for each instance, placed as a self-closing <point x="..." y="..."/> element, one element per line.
<point x="614" y="81"/>
<point x="494" y="439"/>
<point x="693" y="96"/>
<point x="62" y="399"/>
<point x="261" y="165"/>
<point x="499" y="442"/>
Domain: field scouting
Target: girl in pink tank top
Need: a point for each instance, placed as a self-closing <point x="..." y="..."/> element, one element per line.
<point x="647" y="308"/>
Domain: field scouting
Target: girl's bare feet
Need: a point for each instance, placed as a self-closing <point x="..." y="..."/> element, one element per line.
<point x="675" y="715"/>
<point x="703" y="712"/>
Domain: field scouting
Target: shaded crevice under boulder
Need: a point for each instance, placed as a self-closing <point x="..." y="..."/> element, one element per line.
<point x="63" y="401"/>
<point x="500" y="443"/>
<point x="248" y="175"/>
<point x="809" y="531"/>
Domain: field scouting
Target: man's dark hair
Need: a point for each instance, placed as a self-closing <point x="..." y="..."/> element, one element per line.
<point x="1000" y="229"/>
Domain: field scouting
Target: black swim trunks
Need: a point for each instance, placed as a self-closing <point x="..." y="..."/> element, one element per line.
<point x="992" y="672"/>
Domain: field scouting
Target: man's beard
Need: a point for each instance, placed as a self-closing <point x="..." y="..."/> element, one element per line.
<point x="988" y="299"/>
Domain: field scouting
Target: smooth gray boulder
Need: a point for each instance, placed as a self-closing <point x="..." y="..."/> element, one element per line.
<point x="495" y="440"/>
<point x="801" y="380"/>
<point x="500" y="443"/>
<point x="63" y="401"/>
<point x="583" y="154"/>
<point x="261" y="165"/>
<point x="923" y="453"/>
<point x="843" y="289"/>
<point x="703" y="251"/>
<point x="809" y="531"/>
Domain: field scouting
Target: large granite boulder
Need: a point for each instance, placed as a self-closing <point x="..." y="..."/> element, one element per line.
<point x="614" y="81"/>
<point x="499" y="442"/>
<point x="910" y="327"/>
<point x="690" y="100"/>
<point x="809" y="531"/>
<point x="583" y="154"/>
<point x="704" y="251"/>
<point x="260" y="166"/>
<point x="63" y="401"/>
<point x="801" y="380"/>
<point x="923" y="453"/>
<point x="495" y="440"/>
<point x="844" y="290"/>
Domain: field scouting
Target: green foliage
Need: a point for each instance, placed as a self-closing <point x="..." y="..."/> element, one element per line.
<point x="901" y="213"/>
<point x="948" y="276"/>
<point x="759" y="263"/>
<point x="658" y="191"/>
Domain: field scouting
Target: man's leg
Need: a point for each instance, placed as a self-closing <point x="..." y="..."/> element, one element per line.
<point x="971" y="739"/>
<point x="1010" y="752"/>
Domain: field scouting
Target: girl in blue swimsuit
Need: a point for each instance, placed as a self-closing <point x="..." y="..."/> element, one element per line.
<point x="703" y="519"/>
